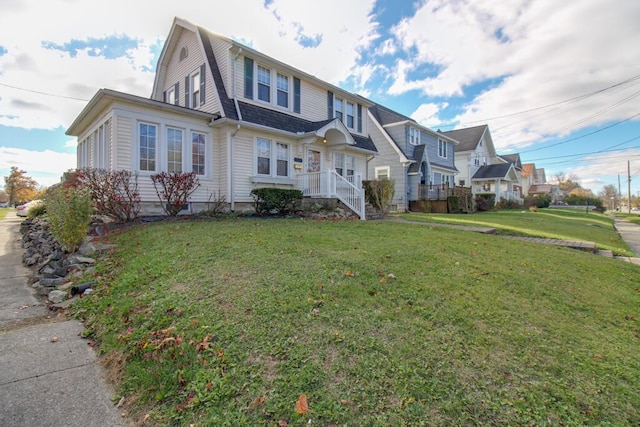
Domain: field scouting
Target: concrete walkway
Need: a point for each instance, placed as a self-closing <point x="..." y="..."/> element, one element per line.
<point x="48" y="373"/>
<point x="628" y="231"/>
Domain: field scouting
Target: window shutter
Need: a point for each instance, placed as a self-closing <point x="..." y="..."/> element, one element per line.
<point x="248" y="78"/>
<point x="296" y="95"/>
<point x="330" y="104"/>
<point x="359" y="118"/>
<point x="176" y="94"/>
<point x="164" y="96"/>
<point x="202" y="83"/>
<point x="186" y="91"/>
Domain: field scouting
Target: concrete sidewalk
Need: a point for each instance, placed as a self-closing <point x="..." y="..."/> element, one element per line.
<point x="48" y="373"/>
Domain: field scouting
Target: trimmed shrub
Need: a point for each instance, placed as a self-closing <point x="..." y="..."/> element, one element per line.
<point x="508" y="204"/>
<point x="266" y="200"/>
<point x="114" y="193"/>
<point x="379" y="193"/>
<point x="538" y="200"/>
<point x="174" y="190"/>
<point x="453" y="204"/>
<point x="69" y="211"/>
<point x="485" y="201"/>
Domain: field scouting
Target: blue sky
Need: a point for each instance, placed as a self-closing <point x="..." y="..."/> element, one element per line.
<point x="558" y="82"/>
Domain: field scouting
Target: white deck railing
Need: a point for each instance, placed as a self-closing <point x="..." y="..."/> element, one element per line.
<point x="330" y="184"/>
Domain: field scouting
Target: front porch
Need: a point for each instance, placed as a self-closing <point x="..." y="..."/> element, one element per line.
<point x="442" y="198"/>
<point x="330" y="184"/>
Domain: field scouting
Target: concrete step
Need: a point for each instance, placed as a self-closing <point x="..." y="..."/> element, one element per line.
<point x="603" y="252"/>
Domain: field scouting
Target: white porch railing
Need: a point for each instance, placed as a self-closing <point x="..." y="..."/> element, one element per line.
<point x="330" y="184"/>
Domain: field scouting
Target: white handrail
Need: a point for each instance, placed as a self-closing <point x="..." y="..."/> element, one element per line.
<point x="331" y="184"/>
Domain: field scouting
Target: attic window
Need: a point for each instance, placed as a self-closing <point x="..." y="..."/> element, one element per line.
<point x="184" y="52"/>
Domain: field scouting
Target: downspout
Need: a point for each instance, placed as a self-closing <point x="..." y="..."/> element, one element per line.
<point x="232" y="200"/>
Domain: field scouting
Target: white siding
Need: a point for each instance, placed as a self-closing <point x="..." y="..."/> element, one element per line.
<point x="122" y="135"/>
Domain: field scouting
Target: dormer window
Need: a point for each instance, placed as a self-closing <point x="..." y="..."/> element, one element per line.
<point x="414" y="136"/>
<point x="264" y="84"/>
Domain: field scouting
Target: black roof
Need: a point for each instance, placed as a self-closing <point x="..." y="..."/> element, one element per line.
<point x="227" y="103"/>
<point x="385" y="116"/>
<point x="492" y="171"/>
<point x="418" y="153"/>
<point x="286" y="122"/>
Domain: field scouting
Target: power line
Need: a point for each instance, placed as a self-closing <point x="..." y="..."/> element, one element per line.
<point x="581" y="136"/>
<point x="44" y="93"/>
<point x="576" y="98"/>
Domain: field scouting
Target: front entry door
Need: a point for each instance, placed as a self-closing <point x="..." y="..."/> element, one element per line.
<point x="313" y="160"/>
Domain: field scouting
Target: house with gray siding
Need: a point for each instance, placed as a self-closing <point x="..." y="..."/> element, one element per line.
<point x="417" y="158"/>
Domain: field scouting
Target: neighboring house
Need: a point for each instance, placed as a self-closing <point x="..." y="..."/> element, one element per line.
<point x="480" y="167"/>
<point x="418" y="159"/>
<point x="532" y="176"/>
<point x="514" y="159"/>
<point x="237" y="118"/>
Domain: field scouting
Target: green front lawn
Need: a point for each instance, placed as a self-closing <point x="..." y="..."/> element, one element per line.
<point x="377" y="323"/>
<point x="563" y="224"/>
<point x="3" y="212"/>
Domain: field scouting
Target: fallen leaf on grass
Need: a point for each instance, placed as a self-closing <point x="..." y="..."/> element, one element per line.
<point x="120" y="402"/>
<point x="349" y="273"/>
<point x="283" y="423"/>
<point x="383" y="280"/>
<point x="302" y="407"/>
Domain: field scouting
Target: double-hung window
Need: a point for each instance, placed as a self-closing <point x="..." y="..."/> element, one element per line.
<point x="272" y="159"/>
<point x="338" y="109"/>
<point x="171" y="96"/>
<point x="264" y="156"/>
<point x="264" y="84"/>
<point x="442" y="148"/>
<point x="350" y="115"/>
<point x="198" y="153"/>
<point x="344" y="164"/>
<point x="414" y="136"/>
<point x="174" y="150"/>
<point x="283" y="90"/>
<point x="147" y="143"/>
<point x="195" y="89"/>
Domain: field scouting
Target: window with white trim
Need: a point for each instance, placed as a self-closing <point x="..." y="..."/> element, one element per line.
<point x="350" y="115"/>
<point x="101" y="145"/>
<point x="171" y="95"/>
<point x="442" y="148"/>
<point x="195" y="89"/>
<point x="272" y="159"/>
<point x="382" y="172"/>
<point x="344" y="164"/>
<point x="264" y="84"/>
<point x="282" y="87"/>
<point x="414" y="136"/>
<point x="198" y="153"/>
<point x="338" y="109"/>
<point x="147" y="144"/>
<point x="174" y="150"/>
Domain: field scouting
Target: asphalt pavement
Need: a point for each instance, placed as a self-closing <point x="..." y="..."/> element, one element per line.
<point x="48" y="373"/>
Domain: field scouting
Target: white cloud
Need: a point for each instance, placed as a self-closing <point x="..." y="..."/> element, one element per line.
<point x="427" y="114"/>
<point x="533" y="53"/>
<point x="27" y="64"/>
<point x="45" y="167"/>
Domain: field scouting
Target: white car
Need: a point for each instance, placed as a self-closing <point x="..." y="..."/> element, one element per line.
<point x="23" y="209"/>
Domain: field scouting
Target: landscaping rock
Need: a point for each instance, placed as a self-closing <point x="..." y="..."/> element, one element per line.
<point x="57" y="296"/>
